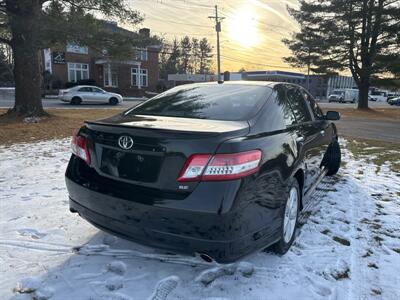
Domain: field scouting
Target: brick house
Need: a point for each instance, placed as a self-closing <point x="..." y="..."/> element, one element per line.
<point x="131" y="77"/>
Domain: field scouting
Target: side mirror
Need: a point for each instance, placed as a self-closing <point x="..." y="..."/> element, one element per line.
<point x="332" y="115"/>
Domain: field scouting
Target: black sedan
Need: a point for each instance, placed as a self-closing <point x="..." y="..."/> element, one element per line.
<point x="215" y="169"/>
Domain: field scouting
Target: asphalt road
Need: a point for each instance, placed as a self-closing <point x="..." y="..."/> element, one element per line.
<point x="55" y="103"/>
<point x="379" y="130"/>
<point x="382" y="130"/>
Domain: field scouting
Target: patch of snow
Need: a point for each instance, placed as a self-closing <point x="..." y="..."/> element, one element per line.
<point x="245" y="268"/>
<point x="164" y="288"/>
<point x="28" y="285"/>
<point x="347" y="247"/>
<point x="117" y="267"/>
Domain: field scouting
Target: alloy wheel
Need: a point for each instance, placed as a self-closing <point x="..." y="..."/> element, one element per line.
<point x="290" y="218"/>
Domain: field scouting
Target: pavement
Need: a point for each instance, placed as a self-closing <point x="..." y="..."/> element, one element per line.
<point x="326" y="105"/>
<point x="55" y="103"/>
<point x="379" y="130"/>
<point x="383" y="130"/>
<point x="129" y="102"/>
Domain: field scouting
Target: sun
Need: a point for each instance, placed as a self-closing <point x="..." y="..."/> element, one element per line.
<point x="243" y="27"/>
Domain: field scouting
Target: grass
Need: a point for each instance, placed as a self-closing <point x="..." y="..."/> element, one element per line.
<point x="60" y="123"/>
<point x="326" y="231"/>
<point x="372" y="265"/>
<point x="341" y="240"/>
<point x="342" y="275"/>
<point x="376" y="152"/>
<point x="376" y="292"/>
<point x="384" y="114"/>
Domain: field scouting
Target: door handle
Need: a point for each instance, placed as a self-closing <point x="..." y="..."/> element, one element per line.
<point x="300" y="139"/>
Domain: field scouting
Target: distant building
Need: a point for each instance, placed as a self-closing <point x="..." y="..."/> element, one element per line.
<point x="340" y="82"/>
<point x="179" y="79"/>
<point x="282" y="76"/>
<point x="320" y="86"/>
<point x="130" y="77"/>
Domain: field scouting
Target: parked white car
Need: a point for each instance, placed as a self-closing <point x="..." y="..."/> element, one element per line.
<point x="378" y="96"/>
<point x="89" y="94"/>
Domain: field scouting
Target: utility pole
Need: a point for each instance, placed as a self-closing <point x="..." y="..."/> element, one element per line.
<point x="218" y="30"/>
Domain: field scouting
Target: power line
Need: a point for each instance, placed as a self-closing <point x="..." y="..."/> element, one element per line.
<point x="180" y="23"/>
<point x="253" y="63"/>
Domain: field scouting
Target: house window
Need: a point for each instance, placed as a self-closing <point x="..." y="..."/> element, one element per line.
<point x="141" y="78"/>
<point x="141" y="54"/>
<point x="74" y="48"/>
<point x="77" y="71"/>
<point x="110" y="76"/>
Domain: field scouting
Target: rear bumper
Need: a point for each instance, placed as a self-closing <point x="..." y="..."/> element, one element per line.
<point x="63" y="99"/>
<point x="219" y="250"/>
<point x="207" y="220"/>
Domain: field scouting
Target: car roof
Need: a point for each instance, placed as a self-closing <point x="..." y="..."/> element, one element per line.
<point x="83" y="86"/>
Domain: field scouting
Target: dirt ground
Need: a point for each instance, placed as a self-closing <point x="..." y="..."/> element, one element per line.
<point x="61" y="123"/>
<point x="378" y="124"/>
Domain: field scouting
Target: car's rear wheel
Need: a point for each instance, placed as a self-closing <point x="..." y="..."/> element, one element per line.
<point x="113" y="101"/>
<point x="289" y="218"/>
<point x="333" y="158"/>
<point x="76" y="100"/>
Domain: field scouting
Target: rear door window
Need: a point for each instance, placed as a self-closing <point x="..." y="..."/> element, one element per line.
<point x="230" y="102"/>
<point x="317" y="112"/>
<point x="85" y="89"/>
<point x="298" y="105"/>
<point x="284" y="109"/>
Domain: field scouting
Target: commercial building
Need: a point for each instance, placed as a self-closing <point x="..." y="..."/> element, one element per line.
<point x="320" y="86"/>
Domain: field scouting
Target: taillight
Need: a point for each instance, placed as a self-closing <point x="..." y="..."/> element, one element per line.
<point x="206" y="167"/>
<point x="79" y="148"/>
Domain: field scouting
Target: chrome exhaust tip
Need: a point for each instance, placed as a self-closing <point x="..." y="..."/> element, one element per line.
<point x="207" y="258"/>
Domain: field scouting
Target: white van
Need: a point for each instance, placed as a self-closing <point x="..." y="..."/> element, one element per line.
<point x="343" y="95"/>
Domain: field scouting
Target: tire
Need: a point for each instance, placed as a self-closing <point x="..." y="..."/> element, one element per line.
<point x="113" y="101"/>
<point x="76" y="101"/>
<point x="287" y="237"/>
<point x="332" y="158"/>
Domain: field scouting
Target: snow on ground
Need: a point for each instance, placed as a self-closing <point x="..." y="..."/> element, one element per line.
<point x="348" y="246"/>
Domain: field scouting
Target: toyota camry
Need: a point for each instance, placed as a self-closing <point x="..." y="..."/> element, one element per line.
<point x="220" y="170"/>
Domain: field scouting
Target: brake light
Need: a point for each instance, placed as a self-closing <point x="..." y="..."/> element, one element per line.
<point x="206" y="167"/>
<point x="79" y="148"/>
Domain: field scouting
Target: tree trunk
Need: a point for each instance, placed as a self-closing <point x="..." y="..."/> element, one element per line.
<point x="25" y="30"/>
<point x="363" y="89"/>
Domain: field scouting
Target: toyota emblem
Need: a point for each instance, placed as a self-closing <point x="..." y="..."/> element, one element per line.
<point x="125" y="142"/>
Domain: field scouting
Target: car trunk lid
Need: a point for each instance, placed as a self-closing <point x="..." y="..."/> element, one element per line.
<point x="160" y="146"/>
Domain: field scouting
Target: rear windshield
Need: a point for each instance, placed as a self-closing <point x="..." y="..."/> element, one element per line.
<point x="214" y="102"/>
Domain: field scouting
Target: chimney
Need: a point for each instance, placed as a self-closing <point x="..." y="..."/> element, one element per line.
<point x="144" y="32"/>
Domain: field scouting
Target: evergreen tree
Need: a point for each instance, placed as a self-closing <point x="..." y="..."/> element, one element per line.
<point x="27" y="26"/>
<point x="194" y="60"/>
<point x="205" y="56"/>
<point x="361" y="36"/>
<point x="186" y="48"/>
<point x="185" y="56"/>
<point x="169" y="64"/>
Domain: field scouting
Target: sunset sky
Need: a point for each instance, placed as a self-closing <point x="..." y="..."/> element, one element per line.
<point x="251" y="31"/>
